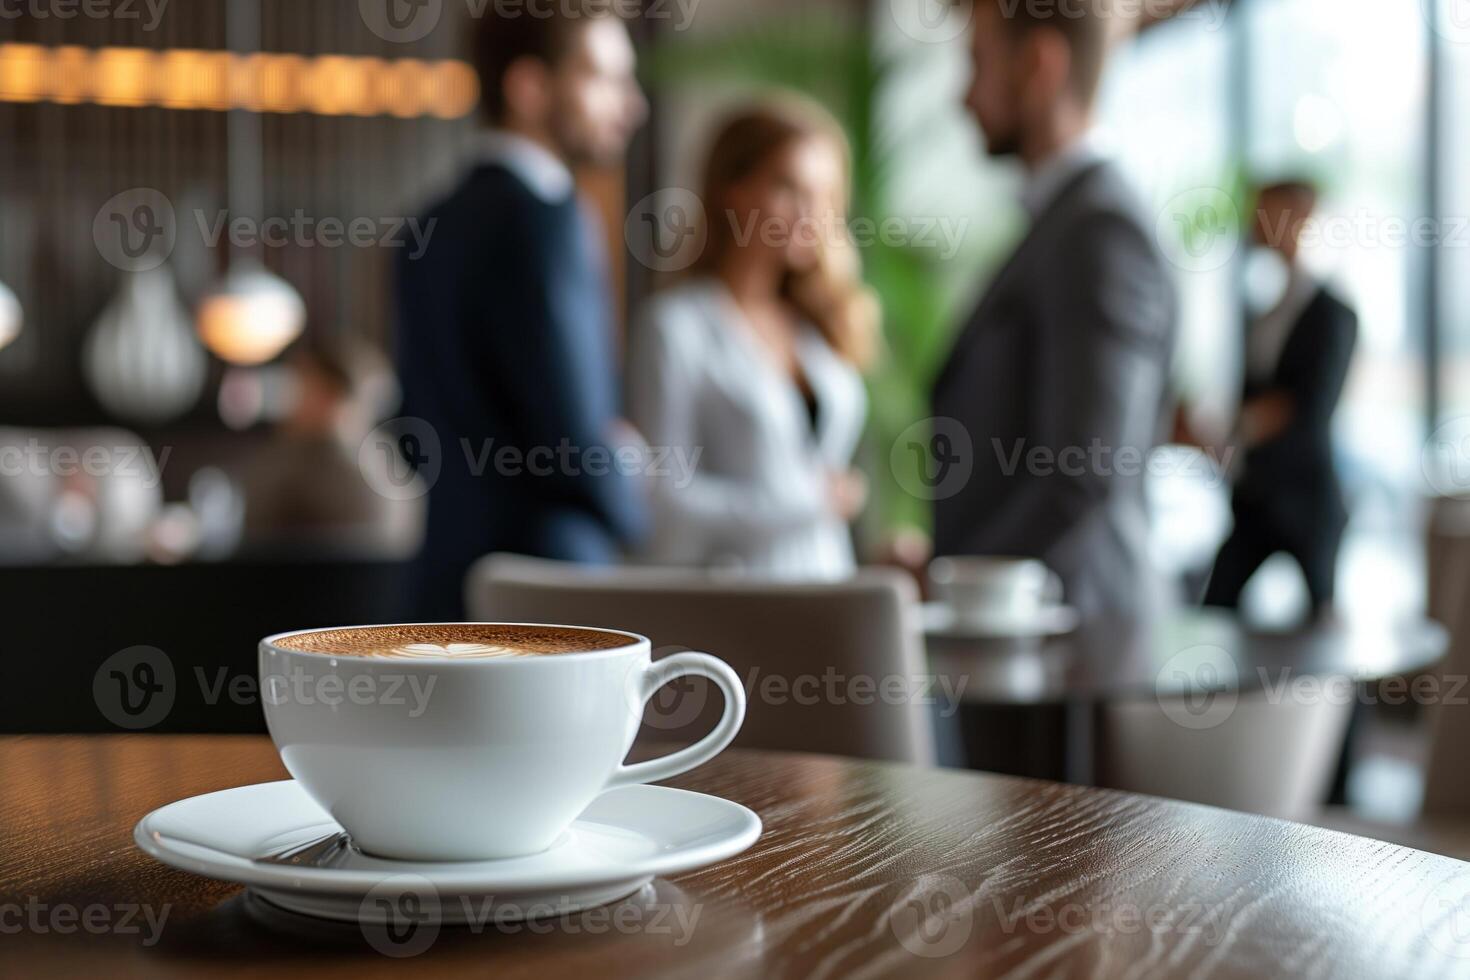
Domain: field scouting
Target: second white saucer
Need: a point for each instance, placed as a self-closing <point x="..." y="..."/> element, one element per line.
<point x="278" y="841"/>
<point x="940" y="621"/>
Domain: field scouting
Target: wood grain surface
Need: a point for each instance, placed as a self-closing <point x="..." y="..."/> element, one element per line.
<point x="864" y="870"/>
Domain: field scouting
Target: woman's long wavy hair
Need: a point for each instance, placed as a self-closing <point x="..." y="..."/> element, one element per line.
<point x="831" y="294"/>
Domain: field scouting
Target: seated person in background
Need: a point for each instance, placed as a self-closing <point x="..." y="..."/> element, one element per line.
<point x="308" y="488"/>
<point x="80" y="495"/>
<point x="1287" y="498"/>
<point x="753" y="361"/>
<point x="505" y="323"/>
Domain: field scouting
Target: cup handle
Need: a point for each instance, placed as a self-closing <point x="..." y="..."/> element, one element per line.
<point x="655" y="676"/>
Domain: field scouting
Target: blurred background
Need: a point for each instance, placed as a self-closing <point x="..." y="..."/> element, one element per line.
<point x="222" y="381"/>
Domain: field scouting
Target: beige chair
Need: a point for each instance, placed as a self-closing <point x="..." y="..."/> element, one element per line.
<point x="813" y="657"/>
<point x="1443" y="825"/>
<point x="1446" y="790"/>
<point x="1276" y="758"/>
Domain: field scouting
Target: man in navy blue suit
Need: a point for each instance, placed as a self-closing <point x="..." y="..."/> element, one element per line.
<point x="505" y="340"/>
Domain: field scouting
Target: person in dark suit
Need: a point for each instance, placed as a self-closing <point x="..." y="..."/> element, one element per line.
<point x="1059" y="377"/>
<point x="505" y="341"/>
<point x="1287" y="497"/>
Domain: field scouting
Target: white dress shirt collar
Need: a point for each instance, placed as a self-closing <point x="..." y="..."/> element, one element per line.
<point x="533" y="165"/>
<point x="1045" y="182"/>
<point x="1270" y="331"/>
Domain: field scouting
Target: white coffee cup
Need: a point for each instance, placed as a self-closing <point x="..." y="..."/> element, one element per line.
<point x="444" y="758"/>
<point x="987" y="589"/>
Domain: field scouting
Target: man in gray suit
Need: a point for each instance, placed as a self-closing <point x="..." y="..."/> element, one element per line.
<point x="1059" y="377"/>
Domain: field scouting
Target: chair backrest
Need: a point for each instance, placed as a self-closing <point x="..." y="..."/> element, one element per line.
<point x="1446" y="790"/>
<point x="813" y="657"/>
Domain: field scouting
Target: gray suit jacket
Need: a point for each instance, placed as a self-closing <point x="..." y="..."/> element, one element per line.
<point x="1060" y="381"/>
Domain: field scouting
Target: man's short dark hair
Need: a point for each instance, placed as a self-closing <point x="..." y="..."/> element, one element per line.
<point x="1083" y="24"/>
<point x="542" y="30"/>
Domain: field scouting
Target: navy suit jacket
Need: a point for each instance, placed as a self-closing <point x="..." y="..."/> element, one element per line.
<point x="505" y="349"/>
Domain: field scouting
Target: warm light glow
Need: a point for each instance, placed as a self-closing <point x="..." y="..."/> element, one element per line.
<point x="251" y="317"/>
<point x="330" y="85"/>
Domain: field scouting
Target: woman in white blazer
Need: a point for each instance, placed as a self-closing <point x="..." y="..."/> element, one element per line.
<point x="751" y="364"/>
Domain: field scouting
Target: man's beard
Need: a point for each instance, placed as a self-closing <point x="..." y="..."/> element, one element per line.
<point x="578" y="149"/>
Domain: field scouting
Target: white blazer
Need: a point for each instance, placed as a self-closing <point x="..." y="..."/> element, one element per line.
<point x="699" y="382"/>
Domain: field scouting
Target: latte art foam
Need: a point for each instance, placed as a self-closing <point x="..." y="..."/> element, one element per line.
<point x="453" y="651"/>
<point x="454" y="641"/>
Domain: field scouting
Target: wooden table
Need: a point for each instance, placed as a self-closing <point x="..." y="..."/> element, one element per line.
<point x="863" y="870"/>
<point x="1188" y="651"/>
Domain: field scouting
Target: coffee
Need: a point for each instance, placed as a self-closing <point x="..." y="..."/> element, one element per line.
<point x="454" y="641"/>
<point x="419" y="759"/>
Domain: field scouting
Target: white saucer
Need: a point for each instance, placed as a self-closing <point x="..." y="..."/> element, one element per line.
<point x="626" y="837"/>
<point x="1053" y="620"/>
